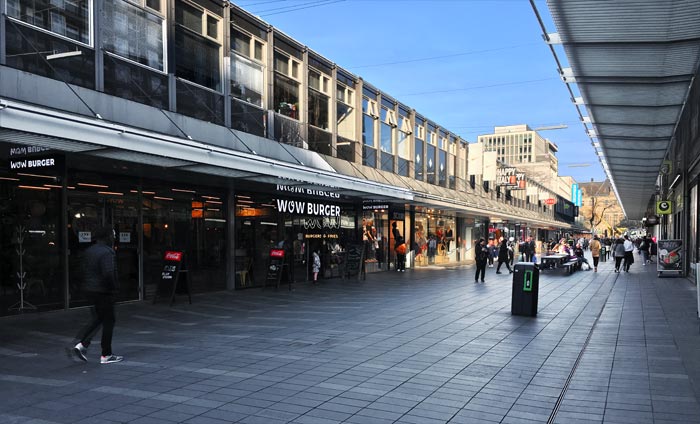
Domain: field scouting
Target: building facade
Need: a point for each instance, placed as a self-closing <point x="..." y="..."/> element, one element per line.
<point x="193" y="126"/>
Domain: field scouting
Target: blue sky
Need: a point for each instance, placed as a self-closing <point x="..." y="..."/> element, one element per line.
<point x="468" y="65"/>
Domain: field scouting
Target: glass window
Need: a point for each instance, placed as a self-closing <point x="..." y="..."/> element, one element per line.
<point x="368" y="130"/>
<point x="430" y="164"/>
<point x="241" y="42"/>
<point x="247" y="118"/>
<point x="369" y="156"/>
<point x="133" y="33"/>
<point x="197" y="59"/>
<point x="189" y="16"/>
<point x="22" y="43"/>
<point x="281" y="63"/>
<point x="258" y="53"/>
<point x="154" y="4"/>
<point x="212" y="27"/>
<point x="246" y="80"/>
<point x="442" y="168"/>
<point x="286" y="96"/>
<point x="70" y="19"/>
<point x="318" y="109"/>
<point x="385" y="137"/>
<point x="315" y="80"/>
<point x="418" y="173"/>
<point x="129" y="81"/>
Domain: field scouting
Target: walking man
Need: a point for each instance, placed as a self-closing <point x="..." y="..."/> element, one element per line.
<point x="481" y="254"/>
<point x="101" y="286"/>
<point x="503" y="256"/>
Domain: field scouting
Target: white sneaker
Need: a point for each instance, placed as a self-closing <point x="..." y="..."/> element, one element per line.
<point x="80" y="351"/>
<point x="110" y="359"/>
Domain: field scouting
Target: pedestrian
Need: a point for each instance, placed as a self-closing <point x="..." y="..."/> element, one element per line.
<point x="101" y="285"/>
<point x="618" y="253"/>
<point x="493" y="252"/>
<point x="503" y="256"/>
<point x="529" y="249"/>
<point x="399" y="248"/>
<point x="595" y="252"/>
<point x="629" y="253"/>
<point x="644" y="249"/>
<point x="511" y="250"/>
<point x="315" y="264"/>
<point x="481" y="255"/>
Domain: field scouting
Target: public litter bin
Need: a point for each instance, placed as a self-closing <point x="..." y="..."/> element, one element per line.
<point x="603" y="253"/>
<point x="526" y="282"/>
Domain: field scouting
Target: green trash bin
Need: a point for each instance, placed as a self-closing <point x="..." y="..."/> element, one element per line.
<point x="603" y="253"/>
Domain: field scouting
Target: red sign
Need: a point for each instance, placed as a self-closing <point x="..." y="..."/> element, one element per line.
<point x="173" y="256"/>
<point x="550" y="201"/>
<point x="277" y="253"/>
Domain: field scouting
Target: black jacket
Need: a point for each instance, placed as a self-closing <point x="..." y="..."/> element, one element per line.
<point x="100" y="269"/>
<point x="503" y="251"/>
<point x="481" y="253"/>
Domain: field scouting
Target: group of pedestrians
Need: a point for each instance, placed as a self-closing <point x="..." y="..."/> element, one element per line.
<point x="503" y="251"/>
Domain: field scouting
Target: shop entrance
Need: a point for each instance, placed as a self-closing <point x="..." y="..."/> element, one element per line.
<point x="100" y="202"/>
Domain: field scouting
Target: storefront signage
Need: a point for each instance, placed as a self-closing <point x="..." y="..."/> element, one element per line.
<point x="651" y="220"/>
<point x="32" y="163"/>
<point x="321" y="236"/>
<point x="313" y="223"/>
<point x="171" y="282"/>
<point x="124" y="237"/>
<point x="511" y="178"/>
<point x="27" y="150"/>
<point x="277" y="253"/>
<point x="550" y="201"/>
<point x="374" y="205"/>
<point x="664" y="207"/>
<point x="173" y="256"/>
<point x="309" y="191"/>
<point x="670" y="254"/>
<point x="307" y="208"/>
<point x="84" y="236"/>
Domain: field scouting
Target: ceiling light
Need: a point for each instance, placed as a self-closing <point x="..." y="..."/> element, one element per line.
<point x="92" y="185"/>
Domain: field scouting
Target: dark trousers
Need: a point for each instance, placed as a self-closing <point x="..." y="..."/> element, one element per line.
<point x="629" y="260"/>
<point x="480" y="269"/>
<point x="102" y="316"/>
<point x="400" y="262"/>
<point x="528" y="257"/>
<point x="618" y="261"/>
<point x="595" y="261"/>
<point x="503" y="261"/>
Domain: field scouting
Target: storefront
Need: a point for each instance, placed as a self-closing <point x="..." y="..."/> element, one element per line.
<point x="52" y="203"/>
<point x="298" y="219"/>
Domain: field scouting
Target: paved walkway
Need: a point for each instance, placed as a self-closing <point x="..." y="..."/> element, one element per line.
<point x="425" y="346"/>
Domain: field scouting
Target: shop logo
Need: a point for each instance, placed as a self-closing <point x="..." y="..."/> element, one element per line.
<point x="664" y="207"/>
<point x="173" y="256"/>
<point x="320" y="223"/>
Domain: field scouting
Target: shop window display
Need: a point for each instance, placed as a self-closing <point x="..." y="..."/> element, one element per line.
<point x="435" y="240"/>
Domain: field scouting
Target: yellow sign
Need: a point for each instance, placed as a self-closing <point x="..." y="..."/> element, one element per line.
<point x="664" y="207"/>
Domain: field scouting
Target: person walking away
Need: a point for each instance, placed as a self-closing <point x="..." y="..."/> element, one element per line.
<point x="481" y="254"/>
<point x="595" y="252"/>
<point x="399" y="248"/>
<point x="629" y="253"/>
<point x="101" y="286"/>
<point x="503" y="257"/>
<point x="644" y="248"/>
<point x="618" y="253"/>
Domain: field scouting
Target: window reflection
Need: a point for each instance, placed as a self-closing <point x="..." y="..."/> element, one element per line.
<point x="246" y="80"/>
<point x="318" y="109"/>
<point x="70" y="19"/>
<point x="430" y="164"/>
<point x="286" y="96"/>
<point x="197" y="59"/>
<point x="133" y="33"/>
<point x="418" y="173"/>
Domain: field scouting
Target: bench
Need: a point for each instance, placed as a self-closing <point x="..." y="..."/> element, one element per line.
<point x="571" y="266"/>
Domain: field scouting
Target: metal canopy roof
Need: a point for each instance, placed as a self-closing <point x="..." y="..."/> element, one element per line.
<point x="633" y="63"/>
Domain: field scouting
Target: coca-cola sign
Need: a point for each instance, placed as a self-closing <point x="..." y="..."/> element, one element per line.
<point x="173" y="256"/>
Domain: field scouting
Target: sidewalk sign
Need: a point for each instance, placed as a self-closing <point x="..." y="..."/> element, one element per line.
<point x="355" y="261"/>
<point x="670" y="258"/>
<point x="276" y="265"/>
<point x="171" y="282"/>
